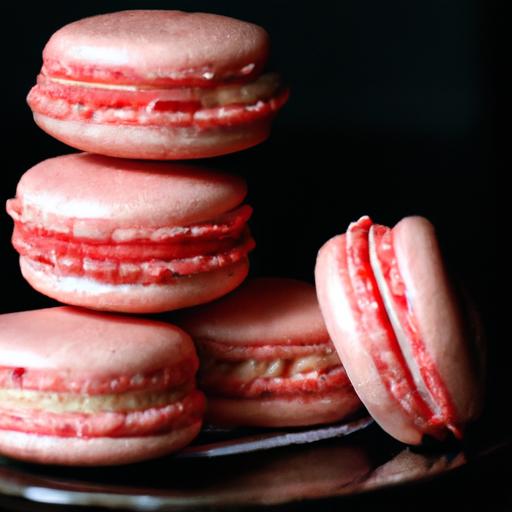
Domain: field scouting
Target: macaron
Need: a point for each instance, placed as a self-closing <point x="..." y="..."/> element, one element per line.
<point x="266" y="358"/>
<point x="157" y="84"/>
<point x="130" y="236"/>
<point x="84" y="388"/>
<point x="399" y="329"/>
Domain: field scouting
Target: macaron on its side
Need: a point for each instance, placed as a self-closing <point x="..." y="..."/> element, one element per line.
<point x="358" y="347"/>
<point x="115" y="85"/>
<point x="372" y="316"/>
<point x="266" y="358"/>
<point x="130" y="236"/>
<point x="82" y="388"/>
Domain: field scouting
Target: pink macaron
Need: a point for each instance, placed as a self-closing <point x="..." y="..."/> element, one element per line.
<point x="130" y="236"/>
<point x="84" y="388"/>
<point x="267" y="359"/>
<point x="399" y="330"/>
<point x="157" y="85"/>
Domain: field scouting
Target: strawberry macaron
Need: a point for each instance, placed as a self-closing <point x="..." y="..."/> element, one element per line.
<point x="85" y="388"/>
<point x="398" y="328"/>
<point x="267" y="359"/>
<point x="157" y="85"/>
<point x="130" y="236"/>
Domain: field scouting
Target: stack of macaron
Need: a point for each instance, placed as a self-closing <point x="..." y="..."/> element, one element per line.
<point x="118" y="230"/>
<point x="115" y="230"/>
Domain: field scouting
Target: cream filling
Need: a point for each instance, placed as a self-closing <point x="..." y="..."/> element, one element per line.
<point x="251" y="369"/>
<point x="260" y="89"/>
<point x="16" y="399"/>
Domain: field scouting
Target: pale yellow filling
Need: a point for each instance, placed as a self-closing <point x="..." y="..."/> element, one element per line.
<point x="260" y="89"/>
<point x="69" y="402"/>
<point x="251" y="369"/>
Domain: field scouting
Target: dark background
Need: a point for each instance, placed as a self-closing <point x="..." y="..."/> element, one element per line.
<point x="391" y="113"/>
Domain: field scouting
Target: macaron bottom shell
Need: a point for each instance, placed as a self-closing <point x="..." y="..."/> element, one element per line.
<point x="287" y="411"/>
<point x="101" y="451"/>
<point x="181" y="292"/>
<point x="156" y="142"/>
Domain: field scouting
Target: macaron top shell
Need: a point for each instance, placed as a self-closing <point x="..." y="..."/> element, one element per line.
<point x="263" y="311"/>
<point x="78" y="342"/>
<point x="156" y="46"/>
<point x="436" y="313"/>
<point x="125" y="193"/>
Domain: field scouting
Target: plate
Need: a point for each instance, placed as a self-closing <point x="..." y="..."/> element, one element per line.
<point x="278" y="474"/>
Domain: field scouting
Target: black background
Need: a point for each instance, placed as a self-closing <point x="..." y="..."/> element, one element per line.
<point x="391" y="113"/>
